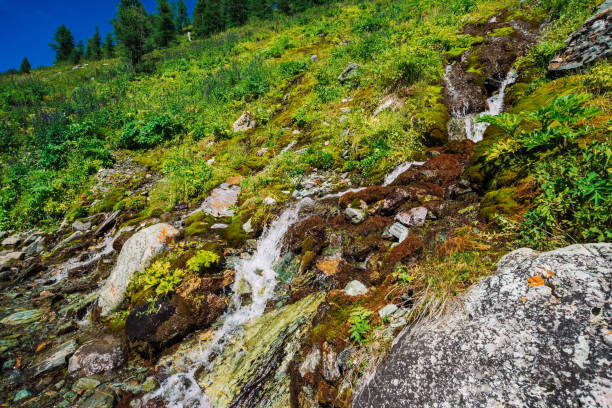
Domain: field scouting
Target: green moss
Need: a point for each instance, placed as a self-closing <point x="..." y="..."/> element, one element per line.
<point x="234" y="233"/>
<point x="502" y="201"/>
<point x="503" y="32"/>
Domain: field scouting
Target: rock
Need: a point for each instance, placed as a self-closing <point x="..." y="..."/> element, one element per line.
<point x="591" y="42"/>
<point x="12" y="241"/>
<point x="329" y="266"/>
<point x="314" y="58"/>
<point x="220" y="201"/>
<point x="355" y="288"/>
<point x="389" y="102"/>
<point x="81" y="226"/>
<point x="344" y="358"/>
<point x="219" y="226"/>
<point x="23" y="317"/>
<point x="107" y="224"/>
<point x="331" y="372"/>
<point x="85" y="384"/>
<point x="393" y="200"/>
<point x="76" y="235"/>
<point x="54" y="358"/>
<point x="150" y="384"/>
<point x="234" y="180"/>
<point x="135" y="255"/>
<point x="356" y="216"/>
<point x="349" y="71"/>
<point x="269" y="201"/>
<point x="9" y="258"/>
<point x="3" y="234"/>
<point x="261" y="152"/>
<point x="245" y="122"/>
<point x="387" y="310"/>
<point x="396" y="230"/>
<point x="462" y="92"/>
<point x="527" y="336"/>
<point x="311" y="362"/>
<point x="35" y="247"/>
<point x="21" y="395"/>
<point x="96" y="357"/>
<point x="414" y="218"/>
<point x="248" y="227"/>
<point x="101" y="399"/>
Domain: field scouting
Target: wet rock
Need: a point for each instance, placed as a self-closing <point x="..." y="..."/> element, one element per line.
<point x="85" y="384"/>
<point x="349" y="72"/>
<point x="23" y="317"/>
<point x="527" y="336"/>
<point x="54" y="358"/>
<point x="245" y="122"/>
<point x="143" y="321"/>
<point x="107" y="224"/>
<point x="355" y="288"/>
<point x="248" y="227"/>
<point x="311" y="362"/>
<point x="96" y="357"/>
<point x="220" y="201"/>
<point x="413" y="218"/>
<point x="331" y="372"/>
<point x="387" y="310"/>
<point x="81" y="226"/>
<point x="591" y="42"/>
<point x="354" y="215"/>
<point x="12" y="241"/>
<point x="463" y="93"/>
<point x="101" y="399"/>
<point x="135" y="255"/>
<point x="396" y="230"/>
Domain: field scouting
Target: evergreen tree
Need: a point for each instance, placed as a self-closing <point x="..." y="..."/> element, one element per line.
<point x="64" y="44"/>
<point x="235" y="12"/>
<point x="182" y="16"/>
<point x="77" y="53"/>
<point x="108" y="49"/>
<point x="94" y="46"/>
<point x="208" y="17"/>
<point x="132" y="29"/>
<point x="164" y="27"/>
<point x="25" y="66"/>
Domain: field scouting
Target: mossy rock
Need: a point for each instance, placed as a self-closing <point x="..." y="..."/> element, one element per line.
<point x="502" y="201"/>
<point x="503" y="32"/>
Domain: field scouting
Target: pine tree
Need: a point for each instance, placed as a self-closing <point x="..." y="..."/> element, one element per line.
<point x="64" y="44"/>
<point x="108" y="49"/>
<point x="25" y="66"/>
<point x="235" y="13"/>
<point x="77" y="53"/>
<point x="165" y="30"/>
<point x="132" y="29"/>
<point x="94" y="46"/>
<point x="208" y="17"/>
<point x="182" y="16"/>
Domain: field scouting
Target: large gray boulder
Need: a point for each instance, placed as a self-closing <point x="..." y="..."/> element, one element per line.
<point x="535" y="334"/>
<point x="135" y="255"/>
<point x="97" y="356"/>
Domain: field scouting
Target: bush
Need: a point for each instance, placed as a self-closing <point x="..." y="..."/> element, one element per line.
<point x="292" y="68"/>
<point x="139" y="134"/>
<point x="359" y="321"/>
<point x="318" y="158"/>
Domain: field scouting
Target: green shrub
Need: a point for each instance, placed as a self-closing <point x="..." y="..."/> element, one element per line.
<point x="318" y="158"/>
<point x="202" y="259"/>
<point x="186" y="178"/>
<point x="292" y="68"/>
<point x="139" y="134"/>
<point x="359" y="321"/>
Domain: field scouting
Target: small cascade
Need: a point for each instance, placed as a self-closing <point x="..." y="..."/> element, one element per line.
<point x="399" y="170"/>
<point x="465" y="126"/>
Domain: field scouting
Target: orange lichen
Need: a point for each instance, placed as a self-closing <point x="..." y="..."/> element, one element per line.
<point x="535" y="281"/>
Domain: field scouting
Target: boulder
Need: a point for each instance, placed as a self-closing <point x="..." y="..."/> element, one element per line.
<point x="55" y="358"/>
<point x="35" y="247"/>
<point x="532" y="335"/>
<point x="220" y="201"/>
<point x="107" y="224"/>
<point x="96" y="357"/>
<point x="387" y="310"/>
<point x="396" y="230"/>
<point x="356" y="216"/>
<point x="135" y="255"/>
<point x="310" y="363"/>
<point x="245" y="122"/>
<point x="355" y="288"/>
<point x="413" y="218"/>
<point x="81" y="226"/>
<point x="331" y="371"/>
<point x="12" y="241"/>
<point x="349" y="71"/>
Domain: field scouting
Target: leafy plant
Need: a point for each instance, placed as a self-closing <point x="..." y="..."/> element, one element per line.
<point x="202" y="259"/>
<point x="359" y="321"/>
<point x="160" y="277"/>
<point x="139" y="134"/>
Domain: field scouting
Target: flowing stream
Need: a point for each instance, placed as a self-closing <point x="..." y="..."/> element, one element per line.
<point x="465" y="126"/>
<point x="391" y="177"/>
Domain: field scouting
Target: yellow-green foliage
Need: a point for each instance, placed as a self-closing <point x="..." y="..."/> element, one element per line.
<point x="159" y="277"/>
<point x="202" y="259"/>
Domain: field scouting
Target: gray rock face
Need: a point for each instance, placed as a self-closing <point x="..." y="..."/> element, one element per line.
<point x="356" y="216"/>
<point x="12" y="241"/>
<point x="245" y="122"/>
<point x="97" y="357"/>
<point x="413" y="218"/>
<point x="355" y="288"/>
<point x="532" y="335"/>
<point x="593" y="41"/>
<point x="396" y="230"/>
<point x="349" y="71"/>
<point x="54" y="358"/>
<point x="135" y="255"/>
<point x="331" y="371"/>
<point x="220" y="201"/>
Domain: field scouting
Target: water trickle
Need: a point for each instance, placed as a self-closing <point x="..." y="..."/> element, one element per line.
<point x="399" y="170"/>
<point x="464" y="126"/>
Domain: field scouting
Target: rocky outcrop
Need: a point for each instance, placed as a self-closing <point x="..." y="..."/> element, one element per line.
<point x="245" y="122"/>
<point x="349" y="72"/>
<point x="220" y="201"/>
<point x="537" y="333"/>
<point x="135" y="255"/>
<point x="592" y="42"/>
<point x="97" y="357"/>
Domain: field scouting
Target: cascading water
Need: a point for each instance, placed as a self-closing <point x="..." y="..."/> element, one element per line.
<point x="257" y="273"/>
<point x="465" y="126"/>
<point x="391" y="177"/>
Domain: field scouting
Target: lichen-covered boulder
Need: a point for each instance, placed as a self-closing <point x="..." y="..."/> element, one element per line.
<point x="535" y="334"/>
<point x="97" y="356"/>
<point x="245" y="122"/>
<point x="135" y="255"/>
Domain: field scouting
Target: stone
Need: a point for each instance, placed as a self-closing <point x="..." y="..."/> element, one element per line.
<point x="100" y="399"/>
<point x="355" y="288"/>
<point x="311" y="362"/>
<point x="248" y="227"/>
<point x="331" y="372"/>
<point x="269" y="201"/>
<point x="349" y="71"/>
<point x="219" y="226"/>
<point x="85" y="384"/>
<point x="21" y="395"/>
<point x="35" y="247"/>
<point x="135" y="255"/>
<point x="529" y="335"/>
<point x="387" y="310"/>
<point x="12" y="241"/>
<point x="150" y="384"/>
<point x="221" y="199"/>
<point x="389" y="102"/>
<point x="329" y="266"/>
<point x="261" y="152"/>
<point x="76" y="235"/>
<point x="413" y="218"/>
<point x="354" y="215"/>
<point x="81" y="226"/>
<point x="3" y="234"/>
<point x="9" y="258"/>
<point x="54" y="358"/>
<point x="23" y="317"/>
<point x="96" y="357"/>
<point x="396" y="230"/>
<point x="245" y="122"/>
<point x="107" y="224"/>
<point x="590" y="43"/>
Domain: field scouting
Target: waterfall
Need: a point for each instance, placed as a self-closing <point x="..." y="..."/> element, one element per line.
<point x="465" y="126"/>
<point x="399" y="170"/>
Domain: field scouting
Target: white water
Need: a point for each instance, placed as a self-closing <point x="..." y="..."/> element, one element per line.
<point x="464" y="126"/>
<point x="400" y="170"/>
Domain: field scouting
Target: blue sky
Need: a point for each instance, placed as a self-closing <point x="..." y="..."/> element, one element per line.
<point x="27" y="26"/>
